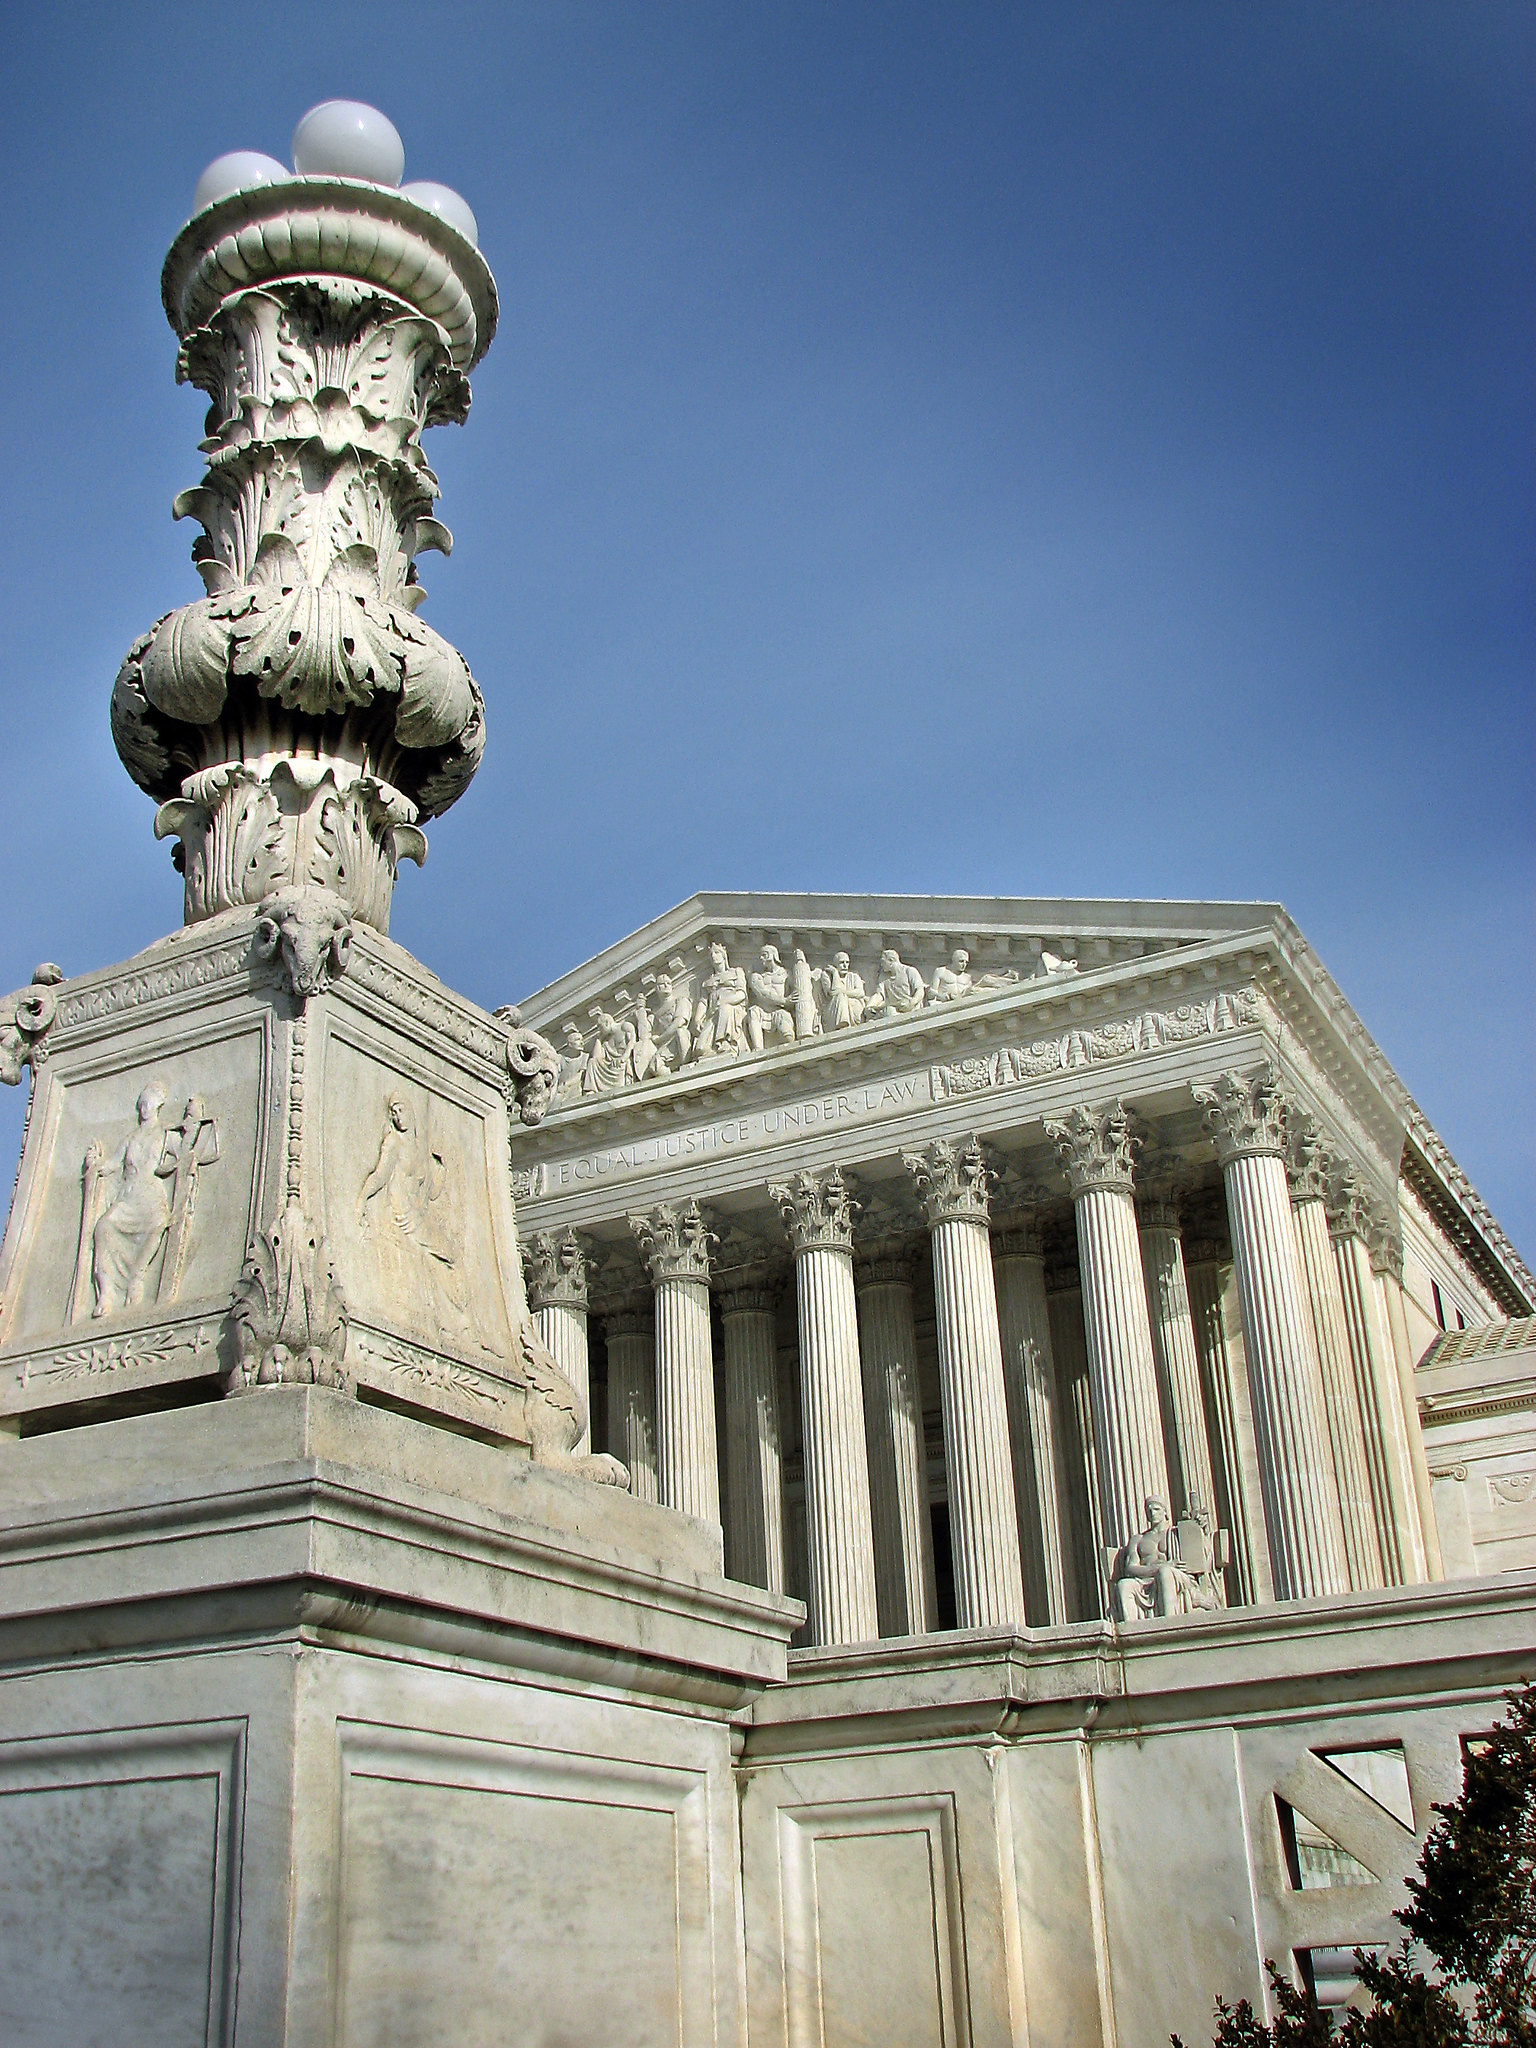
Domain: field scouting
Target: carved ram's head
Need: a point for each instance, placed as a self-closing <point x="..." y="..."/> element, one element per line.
<point x="313" y="930"/>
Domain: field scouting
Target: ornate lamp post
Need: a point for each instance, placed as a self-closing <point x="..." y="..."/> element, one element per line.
<point x="332" y="1204"/>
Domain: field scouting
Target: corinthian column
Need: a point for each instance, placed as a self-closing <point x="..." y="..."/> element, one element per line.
<point x="1376" y="1387"/>
<point x="1308" y="1169"/>
<point x="675" y="1243"/>
<point x="556" y="1268"/>
<point x="1080" y="1459"/>
<point x="629" y="1333"/>
<point x="818" y="1215"/>
<point x="1178" y="1360"/>
<point x="1246" y="1117"/>
<point x="984" y="1529"/>
<point x="1029" y="1373"/>
<point x="1386" y="1248"/>
<point x="754" y="1490"/>
<point x="1229" y="1423"/>
<point x="1097" y="1148"/>
<point x="893" y="1429"/>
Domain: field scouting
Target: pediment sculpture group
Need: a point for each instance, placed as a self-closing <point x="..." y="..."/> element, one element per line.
<point x="740" y="1011"/>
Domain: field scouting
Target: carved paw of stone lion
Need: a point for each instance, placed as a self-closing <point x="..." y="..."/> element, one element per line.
<point x="557" y="1416"/>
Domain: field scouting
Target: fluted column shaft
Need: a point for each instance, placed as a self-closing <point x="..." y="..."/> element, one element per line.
<point x="676" y="1244"/>
<point x="1097" y="1147"/>
<point x="556" y="1269"/>
<point x="893" y="1429"/>
<point x="838" y="1525"/>
<point x="1080" y="1462"/>
<point x="1346" y="1434"/>
<point x="1024" y="1324"/>
<point x="630" y="1337"/>
<point x="1178" y="1360"/>
<point x="983" y="1522"/>
<point x="1229" y="1424"/>
<point x="1379" y="1403"/>
<point x="1301" y="1505"/>
<point x="1386" y="1258"/>
<point x="754" y="1536"/>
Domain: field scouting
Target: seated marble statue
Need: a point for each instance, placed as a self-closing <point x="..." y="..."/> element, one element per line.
<point x="608" y="1063"/>
<point x="645" y="1060"/>
<point x="842" y="994"/>
<point x="1167" y="1567"/>
<point x="670" y="1024"/>
<point x="899" y="992"/>
<point x="770" y="1019"/>
<point x="720" y="1020"/>
<point x="952" y="984"/>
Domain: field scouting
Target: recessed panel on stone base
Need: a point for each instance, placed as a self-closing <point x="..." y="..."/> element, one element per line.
<point x="491" y="1893"/>
<point x="119" y="1888"/>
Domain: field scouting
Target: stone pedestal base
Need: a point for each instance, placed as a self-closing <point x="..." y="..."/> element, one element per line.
<point x="319" y="1725"/>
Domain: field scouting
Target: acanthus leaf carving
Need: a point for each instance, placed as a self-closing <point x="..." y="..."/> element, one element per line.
<point x="556" y="1269"/>
<point x="818" y="1209"/>
<point x="289" y="1316"/>
<point x="675" y="1241"/>
<point x="1245" y="1113"/>
<point x="1097" y="1146"/>
<point x="953" y="1181"/>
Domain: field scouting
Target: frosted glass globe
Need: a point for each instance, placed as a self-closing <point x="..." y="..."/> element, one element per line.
<point x="345" y="139"/>
<point x="232" y="173"/>
<point x="446" y="204"/>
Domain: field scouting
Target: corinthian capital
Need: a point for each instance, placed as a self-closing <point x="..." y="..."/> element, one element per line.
<point x="954" y="1182"/>
<point x="817" y="1210"/>
<point x="1245" y="1114"/>
<point x="674" y="1241"/>
<point x="1349" y="1206"/>
<point x="1385" y="1244"/>
<point x="556" y="1267"/>
<point x="1309" y="1160"/>
<point x="1098" y="1147"/>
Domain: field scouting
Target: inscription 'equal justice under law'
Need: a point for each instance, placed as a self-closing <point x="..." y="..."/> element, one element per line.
<point x="704" y="1139"/>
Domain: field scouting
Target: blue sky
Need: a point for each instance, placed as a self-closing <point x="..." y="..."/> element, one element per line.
<point x="1026" y="449"/>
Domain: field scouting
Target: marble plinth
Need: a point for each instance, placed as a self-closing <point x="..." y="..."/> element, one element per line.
<point x="274" y="1147"/>
<point x="320" y="1725"/>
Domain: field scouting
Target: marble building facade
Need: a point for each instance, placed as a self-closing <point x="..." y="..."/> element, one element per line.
<point x="919" y="1244"/>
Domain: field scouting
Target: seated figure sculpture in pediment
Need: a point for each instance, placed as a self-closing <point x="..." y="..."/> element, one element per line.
<point x="1167" y="1567"/>
<point x="841" y="993"/>
<point x="770" y="1020"/>
<point x="900" y="991"/>
<point x="720" y="1021"/>
<point x="670" y="1024"/>
<point x="608" y="1063"/>
<point x="952" y="984"/>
